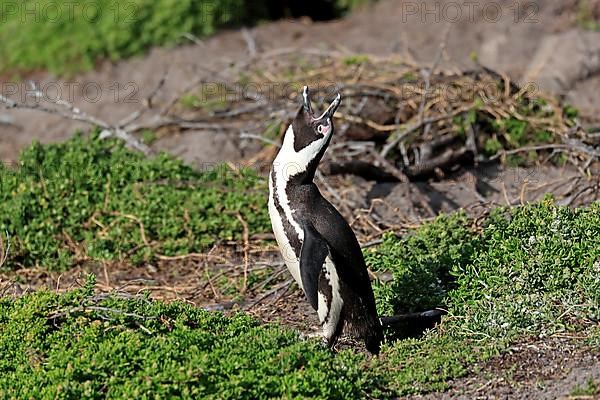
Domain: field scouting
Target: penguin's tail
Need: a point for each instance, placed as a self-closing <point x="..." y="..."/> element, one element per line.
<point x="412" y="324"/>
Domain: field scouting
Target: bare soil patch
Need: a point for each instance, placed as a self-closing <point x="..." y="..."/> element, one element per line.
<point x="550" y="368"/>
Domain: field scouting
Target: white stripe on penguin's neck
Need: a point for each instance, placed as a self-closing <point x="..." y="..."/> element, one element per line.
<point x="289" y="162"/>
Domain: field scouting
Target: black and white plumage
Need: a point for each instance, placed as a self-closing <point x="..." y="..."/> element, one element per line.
<point x="317" y="244"/>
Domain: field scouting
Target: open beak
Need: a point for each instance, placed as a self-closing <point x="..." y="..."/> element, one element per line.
<point x="330" y="110"/>
<point x="306" y="101"/>
<point x="332" y="107"/>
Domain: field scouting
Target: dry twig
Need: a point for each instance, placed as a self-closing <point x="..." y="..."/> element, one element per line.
<point x="245" y="235"/>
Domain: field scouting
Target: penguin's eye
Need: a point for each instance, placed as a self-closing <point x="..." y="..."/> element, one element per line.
<point x="323" y="129"/>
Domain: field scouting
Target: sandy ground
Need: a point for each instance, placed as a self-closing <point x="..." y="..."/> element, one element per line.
<point x="547" y="369"/>
<point x="530" y="41"/>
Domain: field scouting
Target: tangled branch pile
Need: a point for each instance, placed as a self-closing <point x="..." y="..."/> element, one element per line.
<point x="403" y="121"/>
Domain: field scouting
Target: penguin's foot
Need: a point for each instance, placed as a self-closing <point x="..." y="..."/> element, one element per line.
<point x="331" y="342"/>
<point x="312" y="335"/>
<point x="316" y="334"/>
<point x="350" y="342"/>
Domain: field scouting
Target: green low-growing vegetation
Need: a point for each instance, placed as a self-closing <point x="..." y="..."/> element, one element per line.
<point x="590" y="389"/>
<point x="533" y="124"/>
<point x="585" y="16"/>
<point x="74" y="346"/>
<point x="533" y="270"/>
<point x="521" y="274"/>
<point x="93" y="199"/>
<point x="525" y="273"/>
<point x="68" y="36"/>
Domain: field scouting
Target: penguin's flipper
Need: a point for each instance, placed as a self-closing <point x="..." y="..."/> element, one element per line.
<point x="312" y="256"/>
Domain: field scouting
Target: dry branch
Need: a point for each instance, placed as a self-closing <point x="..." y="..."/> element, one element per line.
<point x="67" y="110"/>
<point x="87" y="309"/>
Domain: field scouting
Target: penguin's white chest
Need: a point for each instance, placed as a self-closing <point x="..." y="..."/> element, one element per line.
<point x="328" y="309"/>
<point x="285" y="247"/>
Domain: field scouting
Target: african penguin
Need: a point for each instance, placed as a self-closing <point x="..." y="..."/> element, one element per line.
<point x="317" y="244"/>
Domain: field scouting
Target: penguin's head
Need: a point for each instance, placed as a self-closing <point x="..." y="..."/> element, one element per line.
<point x="307" y="138"/>
<point x="307" y="128"/>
